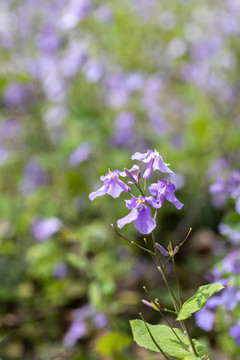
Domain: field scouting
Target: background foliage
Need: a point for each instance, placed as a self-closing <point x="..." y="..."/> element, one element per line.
<point x="84" y="84"/>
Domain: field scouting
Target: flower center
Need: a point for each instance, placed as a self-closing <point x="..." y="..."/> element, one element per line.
<point x="140" y="201"/>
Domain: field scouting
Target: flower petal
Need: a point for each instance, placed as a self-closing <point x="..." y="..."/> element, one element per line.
<point x="100" y="192"/>
<point x="128" y="218"/>
<point x="139" y="156"/>
<point x="114" y="189"/>
<point x="159" y="164"/>
<point x="170" y="196"/>
<point x="145" y="223"/>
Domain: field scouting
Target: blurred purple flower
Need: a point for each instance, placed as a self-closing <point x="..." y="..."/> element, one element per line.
<point x="203" y="50"/>
<point x="142" y="218"/>
<point x="229" y="298"/>
<point x="205" y="319"/>
<point x="4" y="154"/>
<point x="231" y="263"/>
<point x="73" y="60"/>
<point x="124" y="132"/>
<point x="33" y="178"/>
<point x="234" y="332"/>
<point x="104" y="14"/>
<point x="233" y="235"/>
<point x="155" y="162"/>
<point x="100" y="320"/>
<point x="219" y="192"/>
<point x="93" y="71"/>
<point x="60" y="270"/>
<point x="81" y="154"/>
<point x="43" y="229"/>
<point x="217" y="167"/>
<point x="48" y="40"/>
<point x="76" y="331"/>
<point x="16" y="94"/>
<point x="165" y="190"/>
<point x="74" y="12"/>
<point x="112" y="185"/>
<point x="117" y="91"/>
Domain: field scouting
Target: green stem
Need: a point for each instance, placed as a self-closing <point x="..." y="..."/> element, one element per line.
<point x="177" y="281"/>
<point x="174" y="300"/>
<point x="154" y="341"/>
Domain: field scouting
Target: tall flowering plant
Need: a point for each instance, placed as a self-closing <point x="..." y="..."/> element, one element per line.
<point x="172" y="343"/>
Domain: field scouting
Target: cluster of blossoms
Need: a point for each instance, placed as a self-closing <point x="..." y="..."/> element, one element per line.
<point x="140" y="211"/>
<point x="227" y="273"/>
<point x="227" y="188"/>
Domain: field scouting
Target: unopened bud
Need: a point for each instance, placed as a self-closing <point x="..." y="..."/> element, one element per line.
<point x="129" y="175"/>
<point x="162" y="250"/>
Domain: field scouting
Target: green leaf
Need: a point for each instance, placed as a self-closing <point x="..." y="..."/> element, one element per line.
<point x="166" y="339"/>
<point x="197" y="301"/>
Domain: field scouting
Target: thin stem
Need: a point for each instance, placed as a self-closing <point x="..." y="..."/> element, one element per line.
<point x="139" y="188"/>
<point x="190" y="339"/>
<point x="143" y="248"/>
<point x="132" y="242"/>
<point x="154" y="341"/>
<point x="177" y="281"/>
<point x="156" y="303"/>
<point x="145" y="185"/>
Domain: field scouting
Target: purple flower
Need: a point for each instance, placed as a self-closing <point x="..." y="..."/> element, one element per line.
<point x="43" y="229"/>
<point x="104" y="14"/>
<point x="165" y="190"/>
<point x="60" y="270"/>
<point x="112" y="185"/>
<point x="76" y="331"/>
<point x="80" y="154"/>
<point x="93" y="71"/>
<point x="33" y="178"/>
<point x="124" y="132"/>
<point x="205" y="319"/>
<point x="234" y="332"/>
<point x="155" y="162"/>
<point x="100" y="320"/>
<point x="231" y="263"/>
<point x="233" y="235"/>
<point x="140" y="213"/>
<point x="16" y="94"/>
<point x="229" y="298"/>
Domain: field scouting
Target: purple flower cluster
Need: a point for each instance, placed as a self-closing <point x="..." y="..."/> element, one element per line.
<point x="225" y="188"/>
<point x="229" y="298"/>
<point x="140" y="212"/>
<point x="81" y="319"/>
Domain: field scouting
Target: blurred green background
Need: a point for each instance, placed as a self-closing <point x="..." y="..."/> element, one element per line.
<point x="84" y="84"/>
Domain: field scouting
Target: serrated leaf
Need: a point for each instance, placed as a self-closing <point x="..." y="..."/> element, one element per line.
<point x="197" y="301"/>
<point x="166" y="339"/>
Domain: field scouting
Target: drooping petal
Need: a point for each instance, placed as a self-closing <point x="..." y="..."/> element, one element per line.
<point x="170" y="196"/>
<point x="100" y="192"/>
<point x="159" y="164"/>
<point x="128" y="218"/>
<point x="144" y="223"/>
